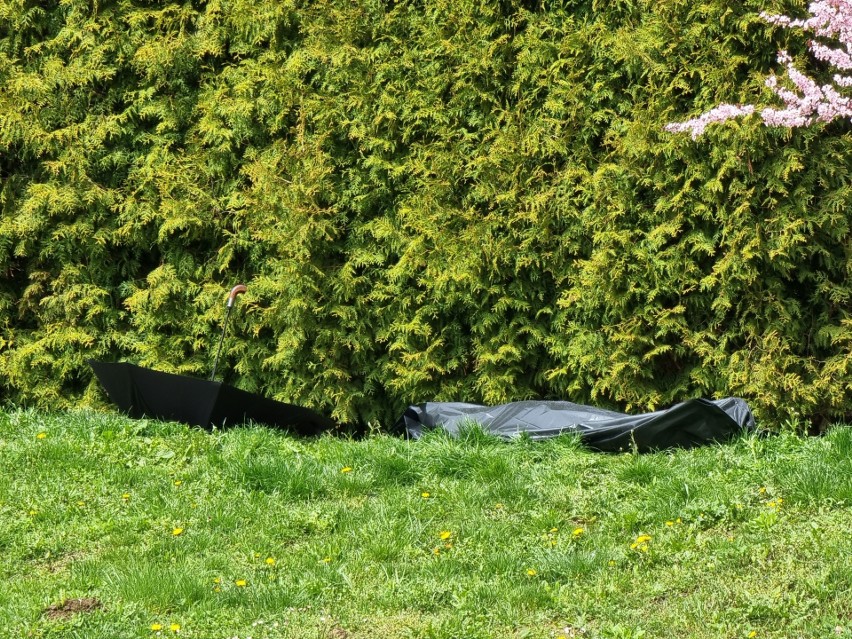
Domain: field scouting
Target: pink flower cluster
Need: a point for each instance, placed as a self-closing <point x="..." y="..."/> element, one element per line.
<point x="806" y="102"/>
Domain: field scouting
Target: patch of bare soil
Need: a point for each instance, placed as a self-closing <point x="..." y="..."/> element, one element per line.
<point x="72" y="607"/>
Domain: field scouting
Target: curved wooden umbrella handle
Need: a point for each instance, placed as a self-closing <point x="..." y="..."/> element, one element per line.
<point x="232" y="296"/>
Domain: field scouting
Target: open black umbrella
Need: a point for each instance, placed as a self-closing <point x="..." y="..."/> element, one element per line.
<point x="142" y="392"/>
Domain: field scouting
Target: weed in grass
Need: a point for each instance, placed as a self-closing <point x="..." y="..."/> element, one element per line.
<point x="160" y="586"/>
<point x="290" y="478"/>
<point x="824" y="472"/>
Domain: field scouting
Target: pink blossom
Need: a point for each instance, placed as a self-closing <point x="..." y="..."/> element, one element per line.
<point x="721" y="113"/>
<point x="805" y="101"/>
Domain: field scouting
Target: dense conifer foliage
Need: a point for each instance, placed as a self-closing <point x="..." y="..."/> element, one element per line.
<point x="451" y="200"/>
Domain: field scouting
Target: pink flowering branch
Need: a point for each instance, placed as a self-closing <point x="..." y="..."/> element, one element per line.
<point x="807" y="102"/>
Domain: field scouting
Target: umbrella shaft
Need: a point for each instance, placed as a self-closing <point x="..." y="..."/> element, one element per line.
<point x="221" y="340"/>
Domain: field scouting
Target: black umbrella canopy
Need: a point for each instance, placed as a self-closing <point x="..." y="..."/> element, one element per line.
<point x="142" y="392"/>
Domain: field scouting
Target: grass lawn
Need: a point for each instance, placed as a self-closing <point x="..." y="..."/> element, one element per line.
<point x="116" y="528"/>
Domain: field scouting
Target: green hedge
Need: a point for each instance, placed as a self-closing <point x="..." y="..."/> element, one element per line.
<point x="446" y="199"/>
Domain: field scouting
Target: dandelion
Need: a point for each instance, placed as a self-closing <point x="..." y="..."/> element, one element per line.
<point x="125" y="496"/>
<point x="270" y="561"/>
<point x="577" y="532"/>
<point x="762" y="490"/>
<point x="445" y="534"/>
<point x="175" y="627"/>
<point x="178" y="482"/>
<point x="33" y="513"/>
<point x="241" y="583"/>
<point x="156" y="627"/>
<point x="81" y="503"/>
<point x="641" y="543"/>
<point x="436" y="551"/>
<point x="669" y="524"/>
<point x="177" y="532"/>
<point x="498" y="506"/>
<point x="425" y="495"/>
<point x="553" y="530"/>
<point x="326" y="560"/>
<point x="346" y="469"/>
<point x="752" y="634"/>
<point x="531" y="572"/>
<point x="41" y="436"/>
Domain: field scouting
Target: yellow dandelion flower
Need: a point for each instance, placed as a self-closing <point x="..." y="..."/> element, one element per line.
<point x="125" y="496"/>
<point x="436" y="551"/>
<point x="531" y="572"/>
<point x="270" y="561"/>
<point x="217" y="580"/>
<point x="177" y="532"/>
<point x="81" y="503"/>
<point x="425" y="495"/>
<point x="553" y="530"/>
<point x="178" y="482"/>
<point x="175" y="627"/>
<point x="669" y="524"/>
<point x="445" y="534"/>
<point x="577" y="532"/>
<point x="346" y="469"/>
<point x="678" y="520"/>
<point x="498" y="506"/>
<point x="762" y="490"/>
<point x="41" y="436"/>
<point x="752" y="634"/>
<point x="326" y="560"/>
<point x="156" y="627"/>
<point x="33" y="513"/>
<point x="641" y="543"/>
<point x="241" y="583"/>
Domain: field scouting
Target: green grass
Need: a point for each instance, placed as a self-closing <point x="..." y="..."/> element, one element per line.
<point x="545" y="538"/>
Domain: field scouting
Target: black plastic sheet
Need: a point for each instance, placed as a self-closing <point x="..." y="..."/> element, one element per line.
<point x="691" y="423"/>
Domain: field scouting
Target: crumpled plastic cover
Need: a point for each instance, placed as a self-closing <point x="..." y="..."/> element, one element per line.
<point x="691" y="423"/>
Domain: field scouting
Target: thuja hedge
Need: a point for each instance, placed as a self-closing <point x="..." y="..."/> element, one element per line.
<point x="434" y="199"/>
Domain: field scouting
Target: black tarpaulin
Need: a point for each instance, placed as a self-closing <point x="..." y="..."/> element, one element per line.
<point x="685" y="425"/>
<point x="142" y="392"/>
